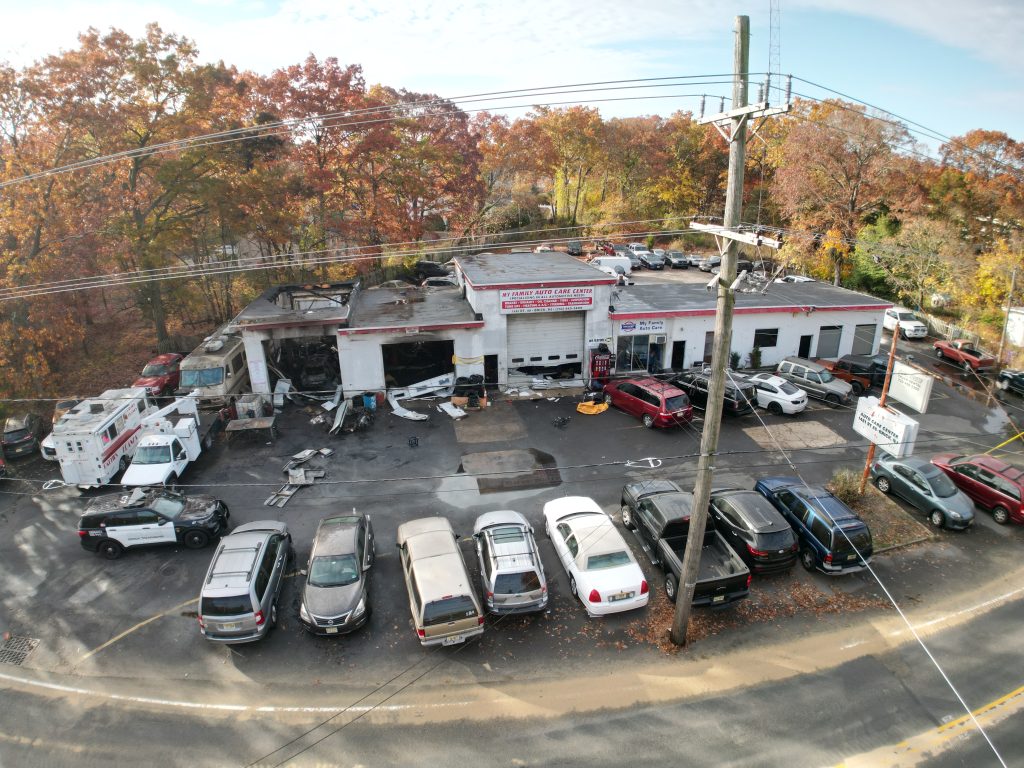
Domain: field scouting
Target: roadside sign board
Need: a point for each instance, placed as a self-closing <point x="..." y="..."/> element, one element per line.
<point x="911" y="386"/>
<point x="890" y="430"/>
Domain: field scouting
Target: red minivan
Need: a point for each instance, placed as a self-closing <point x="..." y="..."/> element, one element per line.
<point x="991" y="483"/>
<point x="657" y="403"/>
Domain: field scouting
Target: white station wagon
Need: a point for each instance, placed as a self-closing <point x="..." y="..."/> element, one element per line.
<point x="602" y="571"/>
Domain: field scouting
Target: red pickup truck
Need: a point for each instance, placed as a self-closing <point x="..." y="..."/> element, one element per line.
<point x="960" y="352"/>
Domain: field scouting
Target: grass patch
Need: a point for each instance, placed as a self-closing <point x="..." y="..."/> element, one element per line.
<point x="890" y="524"/>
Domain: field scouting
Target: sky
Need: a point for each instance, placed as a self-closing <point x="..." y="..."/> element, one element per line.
<point x="949" y="65"/>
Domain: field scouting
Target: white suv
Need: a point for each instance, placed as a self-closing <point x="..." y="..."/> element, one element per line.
<point x="910" y="326"/>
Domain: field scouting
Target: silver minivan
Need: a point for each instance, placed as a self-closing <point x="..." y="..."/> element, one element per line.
<point x="238" y="601"/>
<point x="444" y="607"/>
<point x="510" y="567"/>
<point x="815" y="379"/>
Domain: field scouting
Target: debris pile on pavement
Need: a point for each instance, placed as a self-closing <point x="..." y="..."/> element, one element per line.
<point x="298" y="475"/>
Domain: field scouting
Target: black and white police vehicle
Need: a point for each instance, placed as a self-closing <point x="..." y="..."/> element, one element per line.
<point x="147" y="516"/>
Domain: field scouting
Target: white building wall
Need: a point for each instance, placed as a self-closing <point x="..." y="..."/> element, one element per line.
<point x="791" y="327"/>
<point x="256" y="360"/>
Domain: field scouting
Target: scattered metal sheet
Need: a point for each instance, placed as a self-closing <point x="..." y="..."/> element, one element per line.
<point x="439" y="385"/>
<point x="298" y="476"/>
<point x="405" y="413"/>
<point x="339" y="417"/>
<point x="16" y="649"/>
<point x="282" y="388"/>
<point x="332" y="404"/>
<point x="452" y="410"/>
<point x="326" y="451"/>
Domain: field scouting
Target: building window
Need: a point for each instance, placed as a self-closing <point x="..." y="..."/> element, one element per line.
<point x="766" y="337"/>
<point x="632" y="353"/>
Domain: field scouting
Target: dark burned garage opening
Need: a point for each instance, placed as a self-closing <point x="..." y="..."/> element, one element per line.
<point x="312" y="364"/>
<point x="415" y="361"/>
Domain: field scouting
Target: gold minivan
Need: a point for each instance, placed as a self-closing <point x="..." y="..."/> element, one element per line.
<point x="445" y="609"/>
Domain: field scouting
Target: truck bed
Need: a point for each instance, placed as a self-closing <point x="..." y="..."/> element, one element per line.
<point x="721" y="577"/>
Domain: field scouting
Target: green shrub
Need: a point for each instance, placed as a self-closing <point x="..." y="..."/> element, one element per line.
<point x="755" y="358"/>
<point x="845" y="485"/>
<point x="734" y="360"/>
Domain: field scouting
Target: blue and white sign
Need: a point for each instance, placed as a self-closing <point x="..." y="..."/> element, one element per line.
<point x="641" y="327"/>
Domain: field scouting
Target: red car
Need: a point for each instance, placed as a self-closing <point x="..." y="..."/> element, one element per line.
<point x="161" y="374"/>
<point x="991" y="483"/>
<point x="657" y="403"/>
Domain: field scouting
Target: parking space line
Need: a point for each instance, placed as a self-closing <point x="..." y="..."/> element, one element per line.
<point x="138" y="626"/>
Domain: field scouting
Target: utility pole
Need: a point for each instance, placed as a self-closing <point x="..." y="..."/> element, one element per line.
<point x="1006" y="319"/>
<point x="736" y="121"/>
<point x="881" y="404"/>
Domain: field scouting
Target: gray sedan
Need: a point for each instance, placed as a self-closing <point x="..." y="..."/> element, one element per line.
<point x="926" y="487"/>
<point x="335" y="600"/>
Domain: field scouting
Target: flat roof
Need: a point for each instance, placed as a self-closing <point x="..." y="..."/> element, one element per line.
<point x="664" y="299"/>
<point x="284" y="305"/>
<point x="497" y="270"/>
<point x="412" y="308"/>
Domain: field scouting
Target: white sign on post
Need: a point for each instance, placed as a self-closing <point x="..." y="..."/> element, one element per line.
<point x="890" y="430"/>
<point x="911" y="386"/>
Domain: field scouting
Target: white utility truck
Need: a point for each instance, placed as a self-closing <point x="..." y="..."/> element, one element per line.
<point x="169" y="440"/>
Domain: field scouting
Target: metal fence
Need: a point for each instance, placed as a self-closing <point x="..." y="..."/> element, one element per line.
<point x="940" y="328"/>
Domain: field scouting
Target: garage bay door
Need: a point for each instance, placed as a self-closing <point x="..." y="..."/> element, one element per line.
<point x="828" y="340"/>
<point x="545" y="339"/>
<point x="863" y="340"/>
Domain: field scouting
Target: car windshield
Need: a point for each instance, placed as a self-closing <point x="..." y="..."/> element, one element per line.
<point x="448" y="609"/>
<point x="15" y="435"/>
<point x="155" y="369"/>
<point x="152" y="454"/>
<point x="608" y="560"/>
<point x="676" y="403"/>
<point x="516" y="583"/>
<point x="333" y="571"/>
<point x="168" y="507"/>
<point x="907" y="317"/>
<point x="202" y="377"/>
<point x="789" y="389"/>
<point x="826" y="377"/>
<point x="941" y="485"/>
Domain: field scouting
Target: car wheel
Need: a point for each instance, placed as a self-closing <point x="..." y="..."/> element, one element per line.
<point x="938" y="519"/>
<point x="858" y="388"/>
<point x="833" y="400"/>
<point x="967" y="368"/>
<point x="196" y="539"/>
<point x="670" y="587"/>
<point x="1000" y="515"/>
<point x="110" y="550"/>
<point x="648" y="420"/>
<point x="171" y="483"/>
<point x="903" y="334"/>
<point x="123" y="464"/>
<point x="938" y="354"/>
<point x="807" y="558"/>
<point x="882" y="483"/>
<point x="627" y="517"/>
<point x="273" y="615"/>
<point x="1003" y="384"/>
<point x="775" y="408"/>
<point x="572" y="586"/>
<point x="607" y="399"/>
<point x="421" y="276"/>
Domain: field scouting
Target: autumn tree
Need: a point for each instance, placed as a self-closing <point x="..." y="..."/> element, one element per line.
<point x="575" y="135"/>
<point x="838" y="167"/>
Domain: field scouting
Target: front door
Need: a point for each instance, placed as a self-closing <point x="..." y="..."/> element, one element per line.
<point x="805" y="347"/>
<point x="678" y="355"/>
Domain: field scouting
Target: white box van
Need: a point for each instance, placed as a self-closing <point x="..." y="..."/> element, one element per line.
<point x="613" y="262"/>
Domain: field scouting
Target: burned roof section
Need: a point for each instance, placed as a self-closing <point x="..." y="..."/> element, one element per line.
<point x="325" y="303"/>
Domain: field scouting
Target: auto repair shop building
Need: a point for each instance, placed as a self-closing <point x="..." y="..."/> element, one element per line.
<point x="516" y="315"/>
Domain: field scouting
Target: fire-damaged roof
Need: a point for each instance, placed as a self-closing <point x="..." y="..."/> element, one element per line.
<point x="288" y="305"/>
<point x="492" y="270"/>
<point x="412" y="308"/>
<point x="675" y="299"/>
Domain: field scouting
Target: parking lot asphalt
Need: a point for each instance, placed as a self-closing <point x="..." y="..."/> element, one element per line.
<point x="134" y="618"/>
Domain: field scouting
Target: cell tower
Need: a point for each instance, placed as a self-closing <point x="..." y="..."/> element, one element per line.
<point x="774" y="53"/>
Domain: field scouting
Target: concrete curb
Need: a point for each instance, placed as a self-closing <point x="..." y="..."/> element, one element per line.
<point x="905" y="544"/>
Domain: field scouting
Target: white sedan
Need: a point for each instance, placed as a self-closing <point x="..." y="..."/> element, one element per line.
<point x="778" y="395"/>
<point x="602" y="571"/>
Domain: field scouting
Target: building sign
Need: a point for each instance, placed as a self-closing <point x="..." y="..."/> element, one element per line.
<point x="640" y="327"/>
<point x="597" y="341"/>
<point x="890" y="430"/>
<point x="911" y="386"/>
<point x="518" y="301"/>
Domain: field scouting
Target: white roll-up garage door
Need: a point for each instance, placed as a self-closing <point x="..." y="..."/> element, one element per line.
<point x="545" y="338"/>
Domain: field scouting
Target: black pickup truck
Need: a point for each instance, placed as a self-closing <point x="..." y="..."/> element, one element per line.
<point x="658" y="511"/>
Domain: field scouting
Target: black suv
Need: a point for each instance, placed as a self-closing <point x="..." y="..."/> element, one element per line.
<point x="574" y="248"/>
<point x="425" y="269"/>
<point x="145" y="516"/>
<point x="740" y="394"/>
<point x="752" y="526"/>
<point x="832" y="538"/>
